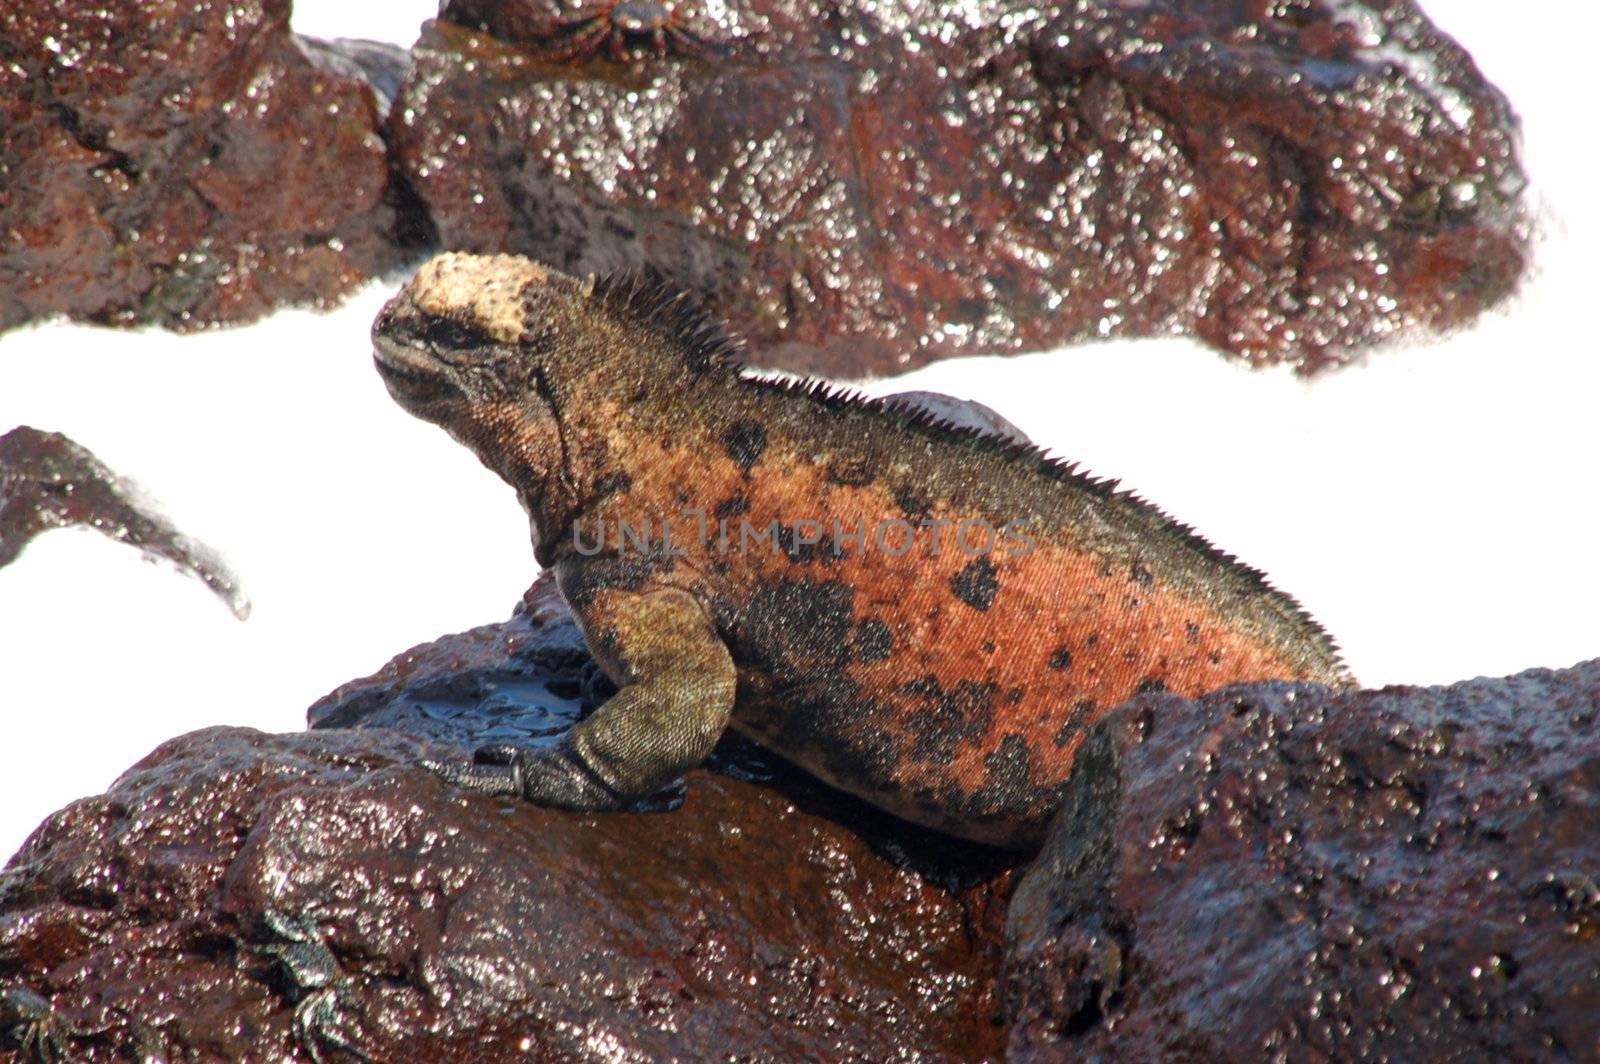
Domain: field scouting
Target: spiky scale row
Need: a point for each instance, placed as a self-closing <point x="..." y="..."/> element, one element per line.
<point x="649" y="301"/>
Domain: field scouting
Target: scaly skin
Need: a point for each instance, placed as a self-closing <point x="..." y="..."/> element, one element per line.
<point x="949" y="686"/>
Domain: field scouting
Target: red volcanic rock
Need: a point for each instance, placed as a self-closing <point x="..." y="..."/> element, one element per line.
<point x="1280" y="871"/>
<point x="238" y="896"/>
<point x="181" y="164"/>
<point x="868" y="188"/>
<point x="1275" y="869"/>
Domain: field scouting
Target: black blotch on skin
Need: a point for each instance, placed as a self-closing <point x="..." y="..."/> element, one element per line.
<point x="1060" y="658"/>
<point x="616" y="483"/>
<point x="630" y="570"/>
<point x="872" y="641"/>
<point x="1007" y="780"/>
<point x="794" y="628"/>
<point x="1192" y="631"/>
<point x="914" y="506"/>
<point x="744" y="441"/>
<point x="1139" y="574"/>
<point x="732" y="506"/>
<point x="798" y="553"/>
<point x="1150" y="685"/>
<point x="868" y="755"/>
<point x="827" y="550"/>
<point x="1091" y="639"/>
<point x="850" y="472"/>
<point x="829" y="711"/>
<point x="942" y="719"/>
<point x="1215" y="657"/>
<point x="976" y="583"/>
<point x="988" y="646"/>
<point x="627" y="571"/>
<point x="1016" y="694"/>
<point x="1074" y="722"/>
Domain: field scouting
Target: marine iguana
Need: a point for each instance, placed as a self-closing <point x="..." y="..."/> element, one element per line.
<point x="924" y="616"/>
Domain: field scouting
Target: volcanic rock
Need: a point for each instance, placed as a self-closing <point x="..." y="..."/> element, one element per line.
<point x="1281" y="871"/>
<point x="1272" y="870"/>
<point x="182" y="164"/>
<point x="863" y="188"/>
<point x="47" y="481"/>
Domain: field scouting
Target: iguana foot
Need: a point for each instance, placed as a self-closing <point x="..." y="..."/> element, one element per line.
<point x="552" y="776"/>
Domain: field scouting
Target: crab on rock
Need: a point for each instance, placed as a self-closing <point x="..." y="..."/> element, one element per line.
<point x="622" y="29"/>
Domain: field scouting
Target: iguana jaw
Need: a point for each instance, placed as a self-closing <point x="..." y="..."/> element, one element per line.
<point x="415" y="380"/>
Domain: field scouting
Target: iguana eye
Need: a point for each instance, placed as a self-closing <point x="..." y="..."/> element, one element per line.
<point x="446" y="334"/>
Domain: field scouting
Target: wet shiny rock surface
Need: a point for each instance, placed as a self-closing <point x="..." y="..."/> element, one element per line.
<point x="863" y="188"/>
<point x="182" y="164"/>
<point x="1270" y="869"/>
<point x="1288" y="873"/>
<point x="244" y="896"/>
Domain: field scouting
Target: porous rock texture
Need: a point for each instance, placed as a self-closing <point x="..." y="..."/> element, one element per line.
<point x="47" y="481"/>
<point x="1272" y="871"/>
<point x="863" y="188"/>
<point x="182" y="164"/>
<point x="1283" y="872"/>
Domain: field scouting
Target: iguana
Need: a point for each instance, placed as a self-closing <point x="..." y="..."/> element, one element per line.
<point x="925" y="616"/>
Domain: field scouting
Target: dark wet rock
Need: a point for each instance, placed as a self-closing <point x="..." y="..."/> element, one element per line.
<point x="525" y="680"/>
<point x="863" y="188"/>
<point x="1285" y="872"/>
<point x="236" y="894"/>
<point x="181" y="164"/>
<point x="47" y="481"/>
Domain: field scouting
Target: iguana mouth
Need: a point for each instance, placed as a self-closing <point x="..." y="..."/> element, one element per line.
<point x="406" y="370"/>
<point x="395" y="358"/>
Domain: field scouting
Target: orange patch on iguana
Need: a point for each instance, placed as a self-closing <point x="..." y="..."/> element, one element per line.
<point x="983" y="652"/>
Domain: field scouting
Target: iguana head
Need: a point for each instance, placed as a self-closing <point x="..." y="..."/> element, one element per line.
<point x="452" y="339"/>
<point x="544" y="376"/>
<point x="461" y="346"/>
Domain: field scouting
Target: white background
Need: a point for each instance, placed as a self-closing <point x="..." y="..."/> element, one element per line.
<point x="1434" y="507"/>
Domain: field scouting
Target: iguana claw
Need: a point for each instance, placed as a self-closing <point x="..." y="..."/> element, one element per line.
<point x="552" y="776"/>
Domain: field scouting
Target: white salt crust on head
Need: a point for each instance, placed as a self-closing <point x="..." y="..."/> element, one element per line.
<point x="487" y="289"/>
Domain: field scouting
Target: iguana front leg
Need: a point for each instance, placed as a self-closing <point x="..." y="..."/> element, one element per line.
<point x="676" y="691"/>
